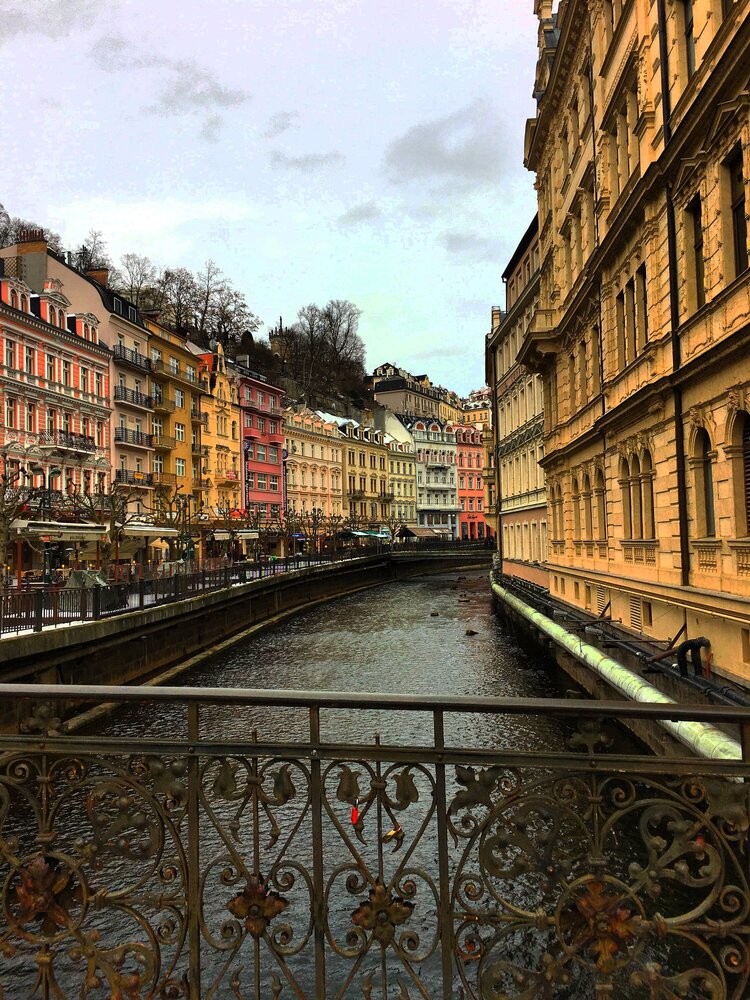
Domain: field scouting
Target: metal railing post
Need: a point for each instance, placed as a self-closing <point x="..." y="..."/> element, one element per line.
<point x="96" y="603"/>
<point x="226" y="576"/>
<point x="441" y="805"/>
<point x="316" y="805"/>
<point x="38" y="610"/>
<point x="193" y="855"/>
<point x="141" y="593"/>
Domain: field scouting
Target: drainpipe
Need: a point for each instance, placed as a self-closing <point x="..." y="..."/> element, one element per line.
<point x="674" y="312"/>
<point x="705" y="740"/>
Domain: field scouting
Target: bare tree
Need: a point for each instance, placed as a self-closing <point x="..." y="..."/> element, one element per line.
<point x="171" y="508"/>
<point x="231" y="319"/>
<point x="12" y="226"/>
<point x="138" y="277"/>
<point x="14" y="503"/>
<point x="93" y="254"/>
<point x="312" y="524"/>
<point x="175" y="296"/>
<point x="112" y="507"/>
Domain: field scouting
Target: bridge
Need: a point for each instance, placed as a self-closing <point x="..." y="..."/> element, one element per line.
<point x="187" y="864"/>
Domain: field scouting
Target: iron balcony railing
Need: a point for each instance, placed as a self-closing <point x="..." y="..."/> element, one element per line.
<point x="133" y="478"/>
<point x="125" y="395"/>
<point x="127" y="436"/>
<point x="65" y="441"/>
<point x="128" y="356"/>
<point x="329" y="863"/>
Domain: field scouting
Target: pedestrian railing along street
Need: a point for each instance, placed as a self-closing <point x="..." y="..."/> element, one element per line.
<point x="267" y="844"/>
<point x="36" y="606"/>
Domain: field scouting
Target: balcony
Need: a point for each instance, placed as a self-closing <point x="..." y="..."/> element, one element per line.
<point x="137" y="438"/>
<point x="161" y="368"/>
<point x="200" y="484"/>
<point x="386" y="497"/>
<point x="163" y="442"/>
<point x="64" y="441"/>
<point x="226" y="476"/>
<point x="133" y="397"/>
<point x="436" y="861"/>
<point x="198" y="416"/>
<point x="163" y="479"/>
<point x="125" y="356"/>
<point x="357" y="494"/>
<point x="163" y="404"/>
<point x="130" y="477"/>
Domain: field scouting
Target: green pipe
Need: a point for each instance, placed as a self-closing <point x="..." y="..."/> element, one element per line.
<point x="706" y="740"/>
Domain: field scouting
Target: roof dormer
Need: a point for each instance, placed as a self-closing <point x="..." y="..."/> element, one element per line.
<point x="15" y="293"/>
<point x="85" y="326"/>
<point x="53" y="305"/>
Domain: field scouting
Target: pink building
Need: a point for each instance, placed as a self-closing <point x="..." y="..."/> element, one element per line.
<point x="471" y="517"/>
<point x="262" y="441"/>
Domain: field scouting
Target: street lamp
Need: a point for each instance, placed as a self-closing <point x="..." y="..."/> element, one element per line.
<point x="45" y="505"/>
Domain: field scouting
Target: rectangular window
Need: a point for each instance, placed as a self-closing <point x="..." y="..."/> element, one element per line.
<point x="260" y="452"/>
<point x="30" y="417"/>
<point x="274" y="483"/>
<point x="249" y="450"/>
<point x="620" y="321"/>
<point x="694" y="236"/>
<point x="98" y="384"/>
<point x="84" y="379"/>
<point x="689" y="22"/>
<point x="179" y="466"/>
<point x="10" y="354"/>
<point x="179" y="398"/>
<point x="10" y="412"/>
<point x="262" y="481"/>
<point x="272" y="427"/>
<point x="273" y="454"/>
<point x="66" y="372"/>
<point x="174" y="366"/>
<point x="261" y="424"/>
<point x="739" y="222"/>
<point x="179" y="432"/>
<point x="50" y="368"/>
<point x="29" y="361"/>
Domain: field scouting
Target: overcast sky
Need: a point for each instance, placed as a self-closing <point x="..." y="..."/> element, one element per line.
<point x="361" y="149"/>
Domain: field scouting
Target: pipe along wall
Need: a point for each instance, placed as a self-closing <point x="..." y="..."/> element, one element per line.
<point x="703" y="739"/>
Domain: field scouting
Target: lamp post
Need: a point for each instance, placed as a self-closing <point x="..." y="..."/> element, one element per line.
<point x="45" y="506"/>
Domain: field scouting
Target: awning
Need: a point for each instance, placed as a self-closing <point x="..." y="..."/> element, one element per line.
<point x="221" y="536"/>
<point x="244" y="534"/>
<point x="417" y="532"/>
<point x="59" y="531"/>
<point x="148" y="531"/>
<point x="248" y="534"/>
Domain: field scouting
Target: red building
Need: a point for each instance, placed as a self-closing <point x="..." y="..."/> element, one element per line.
<point x="54" y="400"/>
<point x="470" y="455"/>
<point x="262" y="433"/>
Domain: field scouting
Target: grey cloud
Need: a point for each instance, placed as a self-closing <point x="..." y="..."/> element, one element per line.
<point x="306" y="164"/>
<point x="47" y="18"/>
<point x="464" y="148"/>
<point x="281" y="122"/>
<point x="187" y="88"/>
<point x="367" y="211"/>
<point x="469" y="245"/>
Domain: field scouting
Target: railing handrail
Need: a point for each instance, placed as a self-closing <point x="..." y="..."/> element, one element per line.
<point x="558" y="707"/>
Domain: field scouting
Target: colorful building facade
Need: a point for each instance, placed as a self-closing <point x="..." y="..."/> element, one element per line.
<point x="472" y="524"/>
<point x="437" y="484"/>
<point x="313" y="467"/>
<point x="262" y="443"/>
<point x="220" y="435"/>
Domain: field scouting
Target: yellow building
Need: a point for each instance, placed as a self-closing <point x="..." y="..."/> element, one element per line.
<point x="313" y="467"/>
<point x="220" y="462"/>
<point x="641" y="151"/>
<point x="402" y="480"/>
<point x="176" y="424"/>
<point x="365" y="456"/>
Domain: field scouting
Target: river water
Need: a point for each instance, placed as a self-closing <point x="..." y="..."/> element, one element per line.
<point x="404" y="638"/>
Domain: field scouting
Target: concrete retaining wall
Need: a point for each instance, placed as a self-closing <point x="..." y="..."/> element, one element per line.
<point x="134" y="647"/>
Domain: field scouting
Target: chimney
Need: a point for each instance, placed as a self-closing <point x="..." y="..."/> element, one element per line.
<point x="497" y="315"/>
<point x="99" y="275"/>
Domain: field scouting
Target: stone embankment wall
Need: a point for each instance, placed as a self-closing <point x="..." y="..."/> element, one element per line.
<point x="137" y="647"/>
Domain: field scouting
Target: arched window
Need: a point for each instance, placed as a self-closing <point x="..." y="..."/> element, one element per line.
<point x="52" y="316"/>
<point x="601" y="506"/>
<point x="704" y="485"/>
<point x="588" y="517"/>
<point x="647" y="496"/>
<point x="627" y="512"/>
<point x="14" y="299"/>
<point x="576" y="501"/>
<point x="24" y="304"/>
<point x="636" y="505"/>
<point x="739" y="454"/>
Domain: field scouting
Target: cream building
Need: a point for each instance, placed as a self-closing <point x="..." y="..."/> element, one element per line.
<point x="313" y="471"/>
<point x="402" y="480"/>
<point x="521" y="513"/>
<point x="641" y="151"/>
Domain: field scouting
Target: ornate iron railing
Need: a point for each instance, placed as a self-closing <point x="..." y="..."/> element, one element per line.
<point x="325" y="863"/>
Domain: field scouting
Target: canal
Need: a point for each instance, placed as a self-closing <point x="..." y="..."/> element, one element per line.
<point x="226" y="853"/>
<point x="407" y="638"/>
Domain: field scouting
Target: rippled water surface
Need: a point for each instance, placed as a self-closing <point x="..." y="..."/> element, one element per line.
<point x="404" y="638"/>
